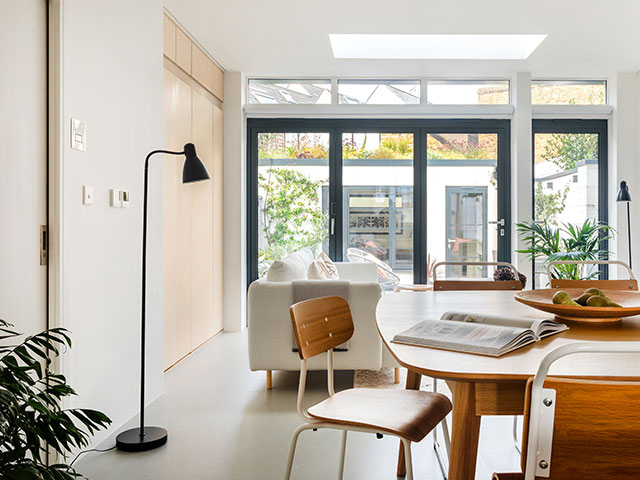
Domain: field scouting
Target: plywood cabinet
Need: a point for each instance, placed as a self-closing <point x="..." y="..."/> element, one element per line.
<point x="182" y="51"/>
<point x="193" y="214"/>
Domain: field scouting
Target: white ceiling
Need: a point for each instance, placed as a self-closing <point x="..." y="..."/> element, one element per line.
<point x="586" y="38"/>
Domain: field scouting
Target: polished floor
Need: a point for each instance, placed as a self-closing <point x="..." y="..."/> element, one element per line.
<point x="223" y="424"/>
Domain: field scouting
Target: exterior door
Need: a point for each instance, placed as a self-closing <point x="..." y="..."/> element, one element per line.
<point x="23" y="164"/>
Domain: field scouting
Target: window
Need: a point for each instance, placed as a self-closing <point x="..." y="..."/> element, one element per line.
<point x="569" y="175"/>
<point x="289" y="91"/>
<point x="568" y="92"/>
<point x="379" y="92"/>
<point x="468" y="92"/>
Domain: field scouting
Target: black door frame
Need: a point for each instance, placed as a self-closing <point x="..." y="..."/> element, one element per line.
<point x="419" y="128"/>
<point x="597" y="126"/>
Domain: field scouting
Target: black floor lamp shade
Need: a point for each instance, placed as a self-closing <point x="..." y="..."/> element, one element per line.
<point x="147" y="438"/>
<point x="625" y="196"/>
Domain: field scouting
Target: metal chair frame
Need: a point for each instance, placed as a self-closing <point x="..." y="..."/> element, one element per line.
<point x="313" y="424"/>
<point x="540" y="440"/>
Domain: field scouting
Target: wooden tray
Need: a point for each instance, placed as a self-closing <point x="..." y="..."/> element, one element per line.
<point x="542" y="300"/>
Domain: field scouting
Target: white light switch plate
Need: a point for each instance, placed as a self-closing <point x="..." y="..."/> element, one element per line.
<point x="114" y="195"/>
<point x="87" y="195"/>
<point x="78" y="135"/>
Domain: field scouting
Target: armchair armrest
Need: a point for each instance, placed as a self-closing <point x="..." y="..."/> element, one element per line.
<point x="357" y="272"/>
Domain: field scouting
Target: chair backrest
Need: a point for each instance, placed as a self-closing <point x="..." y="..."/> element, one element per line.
<point x="631" y="284"/>
<point x="581" y="429"/>
<point x="320" y="324"/>
<point x="444" y="285"/>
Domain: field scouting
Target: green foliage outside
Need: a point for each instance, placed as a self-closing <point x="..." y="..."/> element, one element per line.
<point x="272" y="145"/>
<point x="567" y="242"/>
<point x="392" y="147"/>
<point x="31" y="418"/>
<point x="292" y="216"/>
<point x="454" y="149"/>
<point x="567" y="149"/>
<point x="549" y="205"/>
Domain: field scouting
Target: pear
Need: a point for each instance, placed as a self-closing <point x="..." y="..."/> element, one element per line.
<point x="595" y="291"/>
<point x="563" y="298"/>
<point x="582" y="299"/>
<point x="596" y="301"/>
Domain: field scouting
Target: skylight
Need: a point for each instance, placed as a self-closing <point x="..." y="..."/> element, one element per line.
<point x="434" y="47"/>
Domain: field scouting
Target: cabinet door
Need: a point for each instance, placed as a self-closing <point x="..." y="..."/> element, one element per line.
<point x="176" y="222"/>
<point x="202" y="243"/>
<point x="169" y="44"/>
<point x="218" y="218"/>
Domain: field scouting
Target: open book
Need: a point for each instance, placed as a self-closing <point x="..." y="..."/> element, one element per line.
<point x="483" y="334"/>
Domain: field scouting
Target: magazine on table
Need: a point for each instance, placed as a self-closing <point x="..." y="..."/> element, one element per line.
<point x="478" y="333"/>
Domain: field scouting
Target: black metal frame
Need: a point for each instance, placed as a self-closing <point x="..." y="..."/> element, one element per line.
<point x="419" y="128"/>
<point x="599" y="127"/>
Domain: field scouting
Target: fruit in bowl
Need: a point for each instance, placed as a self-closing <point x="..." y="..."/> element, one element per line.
<point x="592" y="297"/>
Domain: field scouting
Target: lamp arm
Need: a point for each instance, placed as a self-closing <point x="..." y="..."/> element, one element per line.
<point x="144" y="281"/>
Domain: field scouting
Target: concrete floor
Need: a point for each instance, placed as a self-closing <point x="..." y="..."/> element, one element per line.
<point x="223" y="424"/>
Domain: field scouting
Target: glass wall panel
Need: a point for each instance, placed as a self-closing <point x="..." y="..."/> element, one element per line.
<point x="468" y="92"/>
<point x="462" y="203"/>
<point x="293" y="174"/>
<point x="379" y="92"/>
<point x="568" y="92"/>
<point x="377" y="178"/>
<point x="565" y="183"/>
<point x="289" y="91"/>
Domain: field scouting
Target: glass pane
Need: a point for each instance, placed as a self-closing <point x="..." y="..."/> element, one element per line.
<point x="293" y="188"/>
<point x="462" y="202"/>
<point x="566" y="182"/>
<point x="568" y="92"/>
<point x="468" y="92"/>
<point x="377" y="178"/>
<point x="377" y="92"/>
<point x="290" y="91"/>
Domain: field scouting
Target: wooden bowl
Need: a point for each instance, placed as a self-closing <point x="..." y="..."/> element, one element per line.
<point x="542" y="300"/>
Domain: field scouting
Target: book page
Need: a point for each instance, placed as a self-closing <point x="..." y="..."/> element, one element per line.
<point x="468" y="317"/>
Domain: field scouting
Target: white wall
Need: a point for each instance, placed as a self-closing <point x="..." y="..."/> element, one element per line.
<point x="112" y="79"/>
<point x="235" y="194"/>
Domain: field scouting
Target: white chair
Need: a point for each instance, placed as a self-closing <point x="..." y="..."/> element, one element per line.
<point x="320" y="324"/>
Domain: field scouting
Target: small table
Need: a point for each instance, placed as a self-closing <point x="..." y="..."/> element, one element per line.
<point x="483" y="385"/>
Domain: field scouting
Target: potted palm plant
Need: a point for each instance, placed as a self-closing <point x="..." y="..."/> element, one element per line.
<point x="568" y="242"/>
<point x="33" y="425"/>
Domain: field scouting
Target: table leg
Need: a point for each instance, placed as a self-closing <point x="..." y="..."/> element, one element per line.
<point x="413" y="383"/>
<point x="465" y="432"/>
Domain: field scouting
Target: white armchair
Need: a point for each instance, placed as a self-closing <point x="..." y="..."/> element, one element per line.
<point x="270" y="331"/>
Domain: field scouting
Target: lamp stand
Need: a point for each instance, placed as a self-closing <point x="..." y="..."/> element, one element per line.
<point x="629" y="231"/>
<point x="143" y="438"/>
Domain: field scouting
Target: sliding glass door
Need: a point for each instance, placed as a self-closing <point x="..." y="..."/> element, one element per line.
<point x="398" y="193"/>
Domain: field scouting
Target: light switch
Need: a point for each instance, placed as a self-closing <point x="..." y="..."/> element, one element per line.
<point x="114" y="196"/>
<point x="87" y="195"/>
<point x="78" y="135"/>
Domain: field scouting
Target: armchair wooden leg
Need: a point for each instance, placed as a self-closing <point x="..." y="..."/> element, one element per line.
<point x="397" y="375"/>
<point x="268" y="379"/>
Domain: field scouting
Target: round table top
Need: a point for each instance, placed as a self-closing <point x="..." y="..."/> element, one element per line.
<point x="399" y="311"/>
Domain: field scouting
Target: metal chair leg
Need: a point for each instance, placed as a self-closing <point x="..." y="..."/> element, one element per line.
<point x="442" y="460"/>
<point x="407" y="458"/>
<point x="292" y="448"/>
<point x="342" y="455"/>
<point x="516" y="442"/>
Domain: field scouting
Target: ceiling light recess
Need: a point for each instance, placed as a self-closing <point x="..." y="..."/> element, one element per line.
<point x="434" y="47"/>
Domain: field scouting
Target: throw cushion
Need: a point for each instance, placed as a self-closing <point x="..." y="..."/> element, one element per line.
<point x="317" y="271"/>
<point x="293" y="267"/>
<point x="329" y="266"/>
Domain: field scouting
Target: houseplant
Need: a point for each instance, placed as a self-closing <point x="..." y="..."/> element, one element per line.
<point x="567" y="242"/>
<point x="32" y="421"/>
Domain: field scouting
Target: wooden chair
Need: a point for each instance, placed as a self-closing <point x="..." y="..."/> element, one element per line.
<point x="631" y="284"/>
<point x="442" y="285"/>
<point x="577" y="428"/>
<point x="320" y="324"/>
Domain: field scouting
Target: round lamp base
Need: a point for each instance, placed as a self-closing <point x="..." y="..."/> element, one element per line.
<point x="132" y="441"/>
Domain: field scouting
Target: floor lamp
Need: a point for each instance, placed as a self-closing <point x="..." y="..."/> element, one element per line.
<point x="147" y="438"/>
<point x="625" y="196"/>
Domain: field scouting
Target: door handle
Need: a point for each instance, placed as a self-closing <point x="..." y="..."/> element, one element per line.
<point x="497" y="222"/>
<point x="332" y="226"/>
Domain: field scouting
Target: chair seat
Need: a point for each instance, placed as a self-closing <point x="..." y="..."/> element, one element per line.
<point x="410" y="414"/>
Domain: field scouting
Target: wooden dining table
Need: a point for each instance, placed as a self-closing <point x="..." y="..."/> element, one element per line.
<point x="483" y="385"/>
